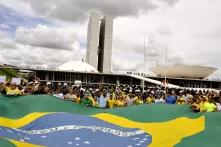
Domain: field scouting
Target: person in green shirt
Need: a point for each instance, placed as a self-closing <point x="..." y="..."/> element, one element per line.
<point x="87" y="100"/>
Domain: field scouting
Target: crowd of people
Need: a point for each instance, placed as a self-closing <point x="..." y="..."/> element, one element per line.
<point x="118" y="96"/>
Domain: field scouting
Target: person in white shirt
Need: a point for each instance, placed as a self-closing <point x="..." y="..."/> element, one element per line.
<point x="160" y="100"/>
<point x="129" y="100"/>
<point x="59" y="93"/>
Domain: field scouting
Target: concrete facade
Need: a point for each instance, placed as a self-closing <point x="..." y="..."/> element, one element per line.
<point x="99" y="44"/>
<point x="93" y="40"/>
<point x="117" y="79"/>
<point x="107" y="30"/>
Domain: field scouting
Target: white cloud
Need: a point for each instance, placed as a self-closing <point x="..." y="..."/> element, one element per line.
<point x="191" y="29"/>
<point x="78" y="10"/>
<point x="43" y="36"/>
<point x="37" y="56"/>
<point x="19" y="6"/>
<point x="120" y="64"/>
<point x="3" y="34"/>
<point x="19" y="53"/>
<point x="7" y="43"/>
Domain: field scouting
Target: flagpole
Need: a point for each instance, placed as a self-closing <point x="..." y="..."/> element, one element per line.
<point x="144" y="63"/>
<point x="165" y="74"/>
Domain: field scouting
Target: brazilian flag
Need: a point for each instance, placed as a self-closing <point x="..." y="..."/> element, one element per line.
<point x="41" y="120"/>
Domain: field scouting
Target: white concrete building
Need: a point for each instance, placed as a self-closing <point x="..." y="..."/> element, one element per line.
<point x="99" y="42"/>
<point x="107" y="43"/>
<point x="184" y="71"/>
<point x="77" y="66"/>
<point x="93" y="39"/>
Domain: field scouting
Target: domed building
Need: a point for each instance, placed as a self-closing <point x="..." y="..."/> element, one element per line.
<point x="77" y="66"/>
<point x="184" y="71"/>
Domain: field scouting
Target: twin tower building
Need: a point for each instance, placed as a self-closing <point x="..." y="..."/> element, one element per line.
<point x="99" y="42"/>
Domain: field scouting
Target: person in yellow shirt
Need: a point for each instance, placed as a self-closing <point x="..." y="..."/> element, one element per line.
<point x="180" y="100"/>
<point x="195" y="106"/>
<point x="12" y="90"/>
<point x="203" y="104"/>
<point x="110" y="102"/>
<point x="119" y="102"/>
<point x="210" y="107"/>
<point x="92" y="100"/>
<point x="138" y="100"/>
<point x="150" y="99"/>
<point x="78" y="100"/>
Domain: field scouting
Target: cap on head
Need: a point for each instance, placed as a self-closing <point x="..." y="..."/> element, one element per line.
<point x="181" y="91"/>
<point x="48" y="83"/>
<point x="82" y="89"/>
<point x="87" y="93"/>
<point x="13" y="83"/>
<point x="31" y="83"/>
<point x="137" y="90"/>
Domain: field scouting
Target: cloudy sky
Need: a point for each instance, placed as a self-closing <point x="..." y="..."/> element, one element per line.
<point x="48" y="33"/>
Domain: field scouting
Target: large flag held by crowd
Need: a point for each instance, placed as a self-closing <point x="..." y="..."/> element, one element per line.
<point x="40" y="120"/>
